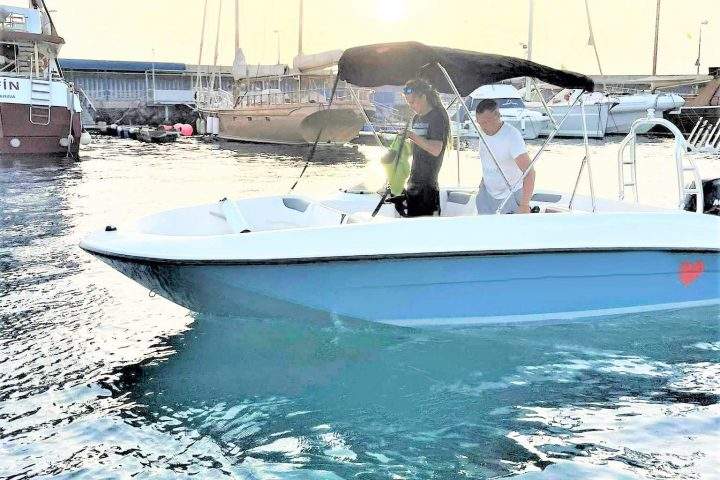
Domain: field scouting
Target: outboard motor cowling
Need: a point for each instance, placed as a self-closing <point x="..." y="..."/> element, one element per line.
<point x="711" y="194"/>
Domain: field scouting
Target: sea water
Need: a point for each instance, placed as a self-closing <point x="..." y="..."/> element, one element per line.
<point x="99" y="379"/>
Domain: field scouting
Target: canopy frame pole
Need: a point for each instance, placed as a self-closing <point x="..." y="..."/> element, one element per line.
<point x="457" y="150"/>
<point x="472" y="119"/>
<point x="537" y="155"/>
<point x="544" y="103"/>
<point x="585" y="161"/>
<point x="317" y="139"/>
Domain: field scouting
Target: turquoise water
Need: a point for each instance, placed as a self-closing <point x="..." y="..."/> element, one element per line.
<point x="100" y="380"/>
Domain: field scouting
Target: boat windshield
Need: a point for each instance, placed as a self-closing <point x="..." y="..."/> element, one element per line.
<point x="510" y="103"/>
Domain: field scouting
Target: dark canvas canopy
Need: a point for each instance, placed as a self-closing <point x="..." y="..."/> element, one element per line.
<point x="396" y="63"/>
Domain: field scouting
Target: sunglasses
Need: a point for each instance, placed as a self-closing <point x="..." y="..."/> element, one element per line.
<point x="407" y="90"/>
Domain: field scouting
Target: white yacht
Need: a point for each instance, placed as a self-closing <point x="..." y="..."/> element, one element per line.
<point x="512" y="110"/>
<point x="606" y="114"/>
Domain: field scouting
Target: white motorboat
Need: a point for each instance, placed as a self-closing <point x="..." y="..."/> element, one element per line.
<point x="295" y="256"/>
<point x="628" y="108"/>
<point x="595" y="110"/>
<point x="512" y="109"/>
<point x="606" y="114"/>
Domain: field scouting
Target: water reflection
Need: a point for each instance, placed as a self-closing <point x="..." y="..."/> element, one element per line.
<point x="356" y="397"/>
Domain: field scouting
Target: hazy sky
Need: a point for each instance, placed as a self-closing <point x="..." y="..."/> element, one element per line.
<point x="132" y="29"/>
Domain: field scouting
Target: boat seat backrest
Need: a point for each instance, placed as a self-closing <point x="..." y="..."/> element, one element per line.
<point x="296" y="203"/>
<point x="457" y="203"/>
<point x="312" y="213"/>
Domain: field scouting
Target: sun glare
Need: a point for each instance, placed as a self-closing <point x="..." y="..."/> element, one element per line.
<point x="390" y="10"/>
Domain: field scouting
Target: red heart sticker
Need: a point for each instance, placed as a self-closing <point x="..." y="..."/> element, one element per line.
<point x="689" y="271"/>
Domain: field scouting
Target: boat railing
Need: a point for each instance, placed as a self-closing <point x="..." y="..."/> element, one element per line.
<point x="213" y="99"/>
<point x="689" y="181"/>
<point x="320" y="96"/>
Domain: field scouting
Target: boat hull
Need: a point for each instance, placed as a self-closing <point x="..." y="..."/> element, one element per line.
<point x="280" y="124"/>
<point x="634" y="107"/>
<point x="686" y="118"/>
<point x="596" y="118"/>
<point x="440" y="290"/>
<point x="29" y="138"/>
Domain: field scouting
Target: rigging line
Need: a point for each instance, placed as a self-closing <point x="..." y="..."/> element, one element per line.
<point x="592" y="36"/>
<point x="317" y="139"/>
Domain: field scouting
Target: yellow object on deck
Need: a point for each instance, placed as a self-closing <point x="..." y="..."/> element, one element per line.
<point x="397" y="167"/>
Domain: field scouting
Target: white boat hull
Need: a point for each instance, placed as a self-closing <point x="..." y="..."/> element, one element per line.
<point x="596" y="119"/>
<point x="300" y="259"/>
<point x="634" y="107"/>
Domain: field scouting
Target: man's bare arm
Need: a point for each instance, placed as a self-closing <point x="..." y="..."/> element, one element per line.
<point x="523" y="162"/>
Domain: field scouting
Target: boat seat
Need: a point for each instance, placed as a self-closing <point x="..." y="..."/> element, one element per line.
<point x="296" y="203"/>
<point x="234" y="217"/>
<point x="458" y="203"/>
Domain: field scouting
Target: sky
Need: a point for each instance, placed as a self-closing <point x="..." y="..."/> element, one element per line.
<point x="170" y="30"/>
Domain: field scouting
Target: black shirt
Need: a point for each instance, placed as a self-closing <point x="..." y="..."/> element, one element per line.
<point x="425" y="167"/>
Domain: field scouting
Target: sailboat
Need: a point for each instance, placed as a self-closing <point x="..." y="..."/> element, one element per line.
<point x="302" y="105"/>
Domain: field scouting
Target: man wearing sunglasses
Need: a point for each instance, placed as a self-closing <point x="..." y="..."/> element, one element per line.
<point x="429" y="136"/>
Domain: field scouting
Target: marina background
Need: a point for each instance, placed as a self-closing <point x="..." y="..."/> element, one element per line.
<point x="169" y="31"/>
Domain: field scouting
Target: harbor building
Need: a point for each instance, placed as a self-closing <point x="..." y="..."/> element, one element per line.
<point x="139" y="92"/>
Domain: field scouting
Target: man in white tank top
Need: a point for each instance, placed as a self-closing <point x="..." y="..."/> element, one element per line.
<point x="508" y="146"/>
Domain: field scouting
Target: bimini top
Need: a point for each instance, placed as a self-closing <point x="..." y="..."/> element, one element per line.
<point x="396" y="63"/>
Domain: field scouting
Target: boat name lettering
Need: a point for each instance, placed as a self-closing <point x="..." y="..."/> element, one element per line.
<point x="10" y="85"/>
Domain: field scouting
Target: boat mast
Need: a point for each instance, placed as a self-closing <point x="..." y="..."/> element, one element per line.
<point x="198" y="82"/>
<point x="530" y="30"/>
<point x="300" y="30"/>
<point x="237" y="25"/>
<point x="217" y="45"/>
<point x="591" y="41"/>
<point x="657" y="30"/>
<point x="531" y="18"/>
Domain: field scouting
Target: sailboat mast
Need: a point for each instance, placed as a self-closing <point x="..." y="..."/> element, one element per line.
<point x="300" y="30"/>
<point x="530" y="30"/>
<point x="657" y="30"/>
<point x="217" y="46"/>
<point x="237" y="25"/>
<point x="198" y="82"/>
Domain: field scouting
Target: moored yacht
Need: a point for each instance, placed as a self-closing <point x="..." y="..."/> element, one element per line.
<point x="512" y="109"/>
<point x="295" y="256"/>
<point x="39" y="110"/>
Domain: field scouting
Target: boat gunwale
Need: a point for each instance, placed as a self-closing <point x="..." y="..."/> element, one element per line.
<point x="390" y="256"/>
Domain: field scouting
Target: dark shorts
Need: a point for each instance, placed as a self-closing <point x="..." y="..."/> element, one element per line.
<point x="422" y="200"/>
